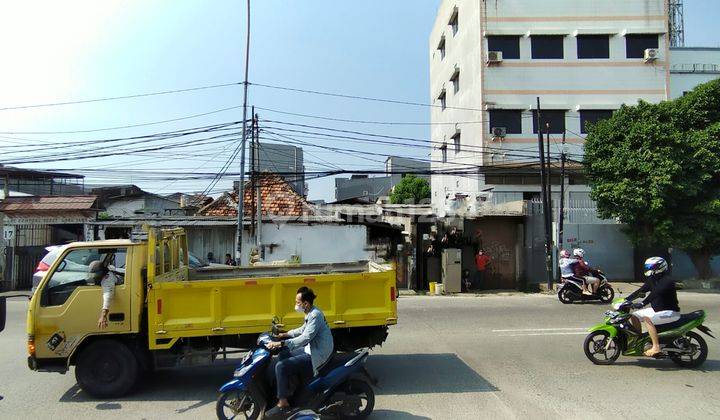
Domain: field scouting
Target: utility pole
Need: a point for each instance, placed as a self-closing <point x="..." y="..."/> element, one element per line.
<point x="253" y="175"/>
<point x="549" y="193"/>
<point x="546" y="206"/>
<point x="561" y="210"/>
<point x="241" y="187"/>
<point x="258" y="229"/>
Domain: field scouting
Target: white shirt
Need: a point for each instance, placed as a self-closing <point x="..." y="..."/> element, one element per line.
<point x="108" y="288"/>
<point x="566" y="266"/>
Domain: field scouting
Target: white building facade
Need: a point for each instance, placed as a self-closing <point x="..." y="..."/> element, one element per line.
<point x="691" y="66"/>
<point x="490" y="60"/>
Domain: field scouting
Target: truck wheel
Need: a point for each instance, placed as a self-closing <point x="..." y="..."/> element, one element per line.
<point x="106" y="369"/>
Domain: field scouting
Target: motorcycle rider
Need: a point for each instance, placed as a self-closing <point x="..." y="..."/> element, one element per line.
<point x="662" y="299"/>
<point x="305" y="349"/>
<point x="583" y="271"/>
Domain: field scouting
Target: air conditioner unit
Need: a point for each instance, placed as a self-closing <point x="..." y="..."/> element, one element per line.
<point x="494" y="57"/>
<point x="499" y="132"/>
<point x="651" y="54"/>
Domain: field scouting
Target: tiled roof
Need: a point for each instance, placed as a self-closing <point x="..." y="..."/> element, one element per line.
<point x="278" y="199"/>
<point x="48" y="203"/>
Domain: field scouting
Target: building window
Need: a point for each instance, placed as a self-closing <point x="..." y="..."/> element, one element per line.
<point x="441" y="48"/>
<point x="636" y="44"/>
<point x="592" y="117"/>
<point x="454" y="22"/>
<point x="443" y="99"/>
<point x="443" y="151"/>
<point x="593" y="46"/>
<point x="456" y="141"/>
<point x="555" y="118"/>
<point x="509" y="118"/>
<point x="455" y="79"/>
<point x="508" y="44"/>
<point x="547" y="46"/>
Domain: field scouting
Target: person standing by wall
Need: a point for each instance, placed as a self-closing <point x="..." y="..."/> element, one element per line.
<point x="482" y="263"/>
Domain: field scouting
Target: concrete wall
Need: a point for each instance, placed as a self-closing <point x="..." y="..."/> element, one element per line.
<point x="124" y="208"/>
<point x="691" y="67"/>
<point x="606" y="247"/>
<point x="320" y="243"/>
<point x="149" y="204"/>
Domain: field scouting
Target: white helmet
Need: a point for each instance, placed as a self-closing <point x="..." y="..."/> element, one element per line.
<point x="578" y="252"/>
<point x="655" y="265"/>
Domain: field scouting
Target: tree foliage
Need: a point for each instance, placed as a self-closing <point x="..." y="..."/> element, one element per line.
<point x="656" y="168"/>
<point x="410" y="189"/>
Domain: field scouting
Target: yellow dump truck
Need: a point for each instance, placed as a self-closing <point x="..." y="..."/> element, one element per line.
<point x="166" y="315"/>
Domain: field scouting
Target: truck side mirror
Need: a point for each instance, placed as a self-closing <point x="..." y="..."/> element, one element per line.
<point x="3" y="312"/>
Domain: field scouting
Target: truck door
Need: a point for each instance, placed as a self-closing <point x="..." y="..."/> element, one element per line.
<point x="70" y="301"/>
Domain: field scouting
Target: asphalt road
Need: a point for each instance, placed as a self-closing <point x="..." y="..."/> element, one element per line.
<point x="515" y="356"/>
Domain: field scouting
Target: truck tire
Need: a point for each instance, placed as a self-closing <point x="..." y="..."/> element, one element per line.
<point x="106" y="369"/>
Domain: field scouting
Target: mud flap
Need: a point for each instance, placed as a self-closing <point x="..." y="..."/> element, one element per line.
<point x="702" y="328"/>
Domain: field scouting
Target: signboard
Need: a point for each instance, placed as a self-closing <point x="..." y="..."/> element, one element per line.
<point x="45" y="220"/>
<point x="8" y="233"/>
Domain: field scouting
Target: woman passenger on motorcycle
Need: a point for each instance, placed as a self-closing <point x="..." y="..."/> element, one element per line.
<point x="305" y="349"/>
<point x="582" y="271"/>
<point x="662" y="299"/>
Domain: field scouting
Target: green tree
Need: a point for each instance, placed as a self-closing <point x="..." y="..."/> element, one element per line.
<point x="410" y="189"/>
<point x="656" y="168"/>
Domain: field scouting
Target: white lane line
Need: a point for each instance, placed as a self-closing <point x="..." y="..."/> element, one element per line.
<point x="542" y="329"/>
<point x="547" y="333"/>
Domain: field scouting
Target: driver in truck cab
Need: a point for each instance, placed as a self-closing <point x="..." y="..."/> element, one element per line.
<point x="304" y="350"/>
<point x="107" y="279"/>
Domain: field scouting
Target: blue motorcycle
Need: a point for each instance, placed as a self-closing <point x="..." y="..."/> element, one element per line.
<point x="342" y="388"/>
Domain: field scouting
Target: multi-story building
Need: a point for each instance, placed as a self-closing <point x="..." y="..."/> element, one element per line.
<point x="691" y="66"/>
<point x="364" y="189"/>
<point x="285" y="160"/>
<point x="491" y="59"/>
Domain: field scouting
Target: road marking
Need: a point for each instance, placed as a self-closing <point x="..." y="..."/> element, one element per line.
<point x="547" y="333"/>
<point x="542" y="329"/>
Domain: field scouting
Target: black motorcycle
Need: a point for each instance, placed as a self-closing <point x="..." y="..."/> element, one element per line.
<point x="570" y="290"/>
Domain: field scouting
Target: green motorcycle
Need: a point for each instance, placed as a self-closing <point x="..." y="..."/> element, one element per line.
<point x="617" y="336"/>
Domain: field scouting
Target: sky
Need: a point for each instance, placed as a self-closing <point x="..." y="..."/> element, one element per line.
<point x="77" y="50"/>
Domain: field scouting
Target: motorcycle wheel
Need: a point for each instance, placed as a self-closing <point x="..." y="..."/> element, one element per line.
<point x="364" y="391"/>
<point x="607" y="294"/>
<point x="698" y="356"/>
<point x="237" y="405"/>
<point x="564" y="295"/>
<point x="594" y="347"/>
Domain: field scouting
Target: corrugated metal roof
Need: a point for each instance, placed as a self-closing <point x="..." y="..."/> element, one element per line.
<point x="47" y="203"/>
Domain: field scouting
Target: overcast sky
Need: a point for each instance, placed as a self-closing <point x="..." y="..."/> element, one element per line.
<point x="74" y="50"/>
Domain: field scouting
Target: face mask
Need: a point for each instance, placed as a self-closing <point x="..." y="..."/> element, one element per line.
<point x="299" y="309"/>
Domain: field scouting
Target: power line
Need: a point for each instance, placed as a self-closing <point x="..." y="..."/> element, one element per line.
<point x="94" y="130"/>
<point x="113" y="98"/>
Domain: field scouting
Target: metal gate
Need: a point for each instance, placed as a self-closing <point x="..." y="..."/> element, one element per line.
<point x="30" y="243"/>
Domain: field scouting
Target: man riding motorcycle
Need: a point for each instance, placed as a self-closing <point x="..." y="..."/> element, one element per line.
<point x="662" y="299"/>
<point x="583" y="271"/>
<point x="304" y="350"/>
